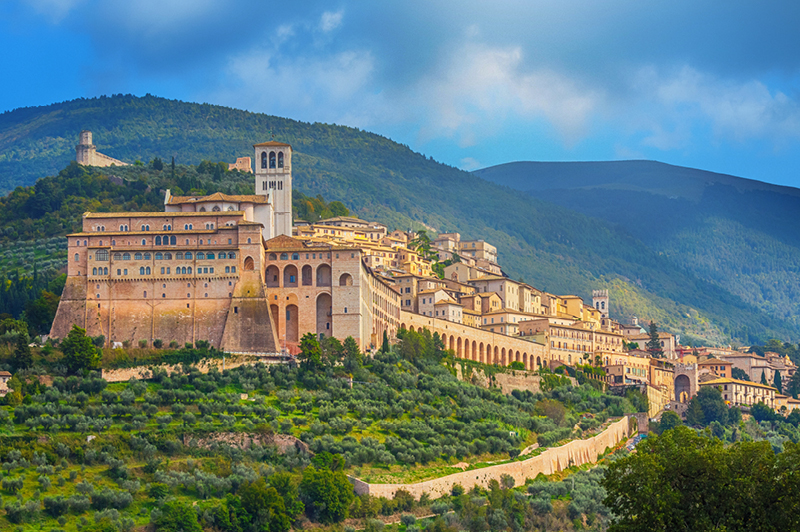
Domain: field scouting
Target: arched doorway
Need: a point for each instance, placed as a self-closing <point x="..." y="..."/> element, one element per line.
<point x="273" y="276"/>
<point x="290" y="275"/>
<point x="307" y="275"/>
<point x="324" y="324"/>
<point x="292" y="324"/>
<point x="683" y="388"/>
<point x="323" y="275"/>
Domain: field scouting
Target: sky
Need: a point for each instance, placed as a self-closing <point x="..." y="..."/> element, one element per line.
<point x="712" y="85"/>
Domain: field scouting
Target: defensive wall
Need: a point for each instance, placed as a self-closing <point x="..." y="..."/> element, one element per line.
<point x="479" y="345"/>
<point x="507" y="381"/>
<point x="204" y="366"/>
<point x="551" y="460"/>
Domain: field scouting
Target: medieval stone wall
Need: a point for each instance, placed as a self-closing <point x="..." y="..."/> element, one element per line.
<point x="551" y="460"/>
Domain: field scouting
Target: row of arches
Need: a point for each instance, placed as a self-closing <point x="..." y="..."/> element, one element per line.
<point x="486" y="353"/>
<point x="289" y="277"/>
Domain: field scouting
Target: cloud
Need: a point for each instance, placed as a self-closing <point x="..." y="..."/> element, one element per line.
<point x="469" y="164"/>
<point x="737" y="111"/>
<point x="330" y="21"/>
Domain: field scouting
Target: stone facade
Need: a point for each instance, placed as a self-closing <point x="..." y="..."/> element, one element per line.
<point x="243" y="164"/>
<point x="550" y="461"/>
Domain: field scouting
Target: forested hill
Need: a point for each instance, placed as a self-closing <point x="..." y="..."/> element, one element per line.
<point x="549" y="246"/>
<point x="736" y="233"/>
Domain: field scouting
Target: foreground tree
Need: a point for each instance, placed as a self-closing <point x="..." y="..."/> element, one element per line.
<point x="23" y="359"/>
<point x="327" y="494"/>
<point x="682" y="480"/>
<point x="79" y="352"/>
<point x="310" y="352"/>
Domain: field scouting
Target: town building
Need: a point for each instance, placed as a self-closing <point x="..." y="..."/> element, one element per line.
<point x="743" y="393"/>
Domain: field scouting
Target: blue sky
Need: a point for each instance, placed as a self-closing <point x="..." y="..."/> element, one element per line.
<point x="712" y="85"/>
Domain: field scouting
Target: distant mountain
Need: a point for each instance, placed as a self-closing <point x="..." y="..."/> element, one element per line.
<point x="550" y="246"/>
<point x="736" y="233"/>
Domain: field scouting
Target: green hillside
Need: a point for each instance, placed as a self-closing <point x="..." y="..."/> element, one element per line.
<point x="551" y="247"/>
<point x="736" y="233"/>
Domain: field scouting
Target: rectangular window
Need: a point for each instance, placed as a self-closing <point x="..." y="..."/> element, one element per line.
<point x="125" y="271"/>
<point x="233" y="269"/>
<point x="163" y="269"/>
<point x="236" y="310"/>
<point x="119" y="272"/>
<point x="167" y="269"/>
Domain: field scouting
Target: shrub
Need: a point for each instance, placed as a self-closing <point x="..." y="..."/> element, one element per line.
<point x="158" y="343"/>
<point x="142" y="343"/>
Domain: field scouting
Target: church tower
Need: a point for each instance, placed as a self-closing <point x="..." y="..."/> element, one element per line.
<point x="600" y="301"/>
<point x="274" y="180"/>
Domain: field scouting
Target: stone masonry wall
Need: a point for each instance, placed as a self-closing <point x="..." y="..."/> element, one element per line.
<point x="507" y="382"/>
<point x="552" y="460"/>
<point x="144" y="372"/>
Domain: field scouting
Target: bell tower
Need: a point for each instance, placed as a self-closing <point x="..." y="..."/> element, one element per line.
<point x="274" y="179"/>
<point x="600" y="301"/>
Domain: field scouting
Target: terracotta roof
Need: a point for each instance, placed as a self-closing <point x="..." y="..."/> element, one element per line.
<point x="5" y="374"/>
<point x="737" y="381"/>
<point x="158" y="214"/>
<point x="218" y="196"/>
<point x="271" y="143"/>
<point x="284" y="242"/>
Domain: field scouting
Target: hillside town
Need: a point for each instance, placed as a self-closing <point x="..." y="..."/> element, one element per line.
<point x="241" y="273"/>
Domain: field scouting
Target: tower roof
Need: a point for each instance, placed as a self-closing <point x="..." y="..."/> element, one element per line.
<point x="271" y="143"/>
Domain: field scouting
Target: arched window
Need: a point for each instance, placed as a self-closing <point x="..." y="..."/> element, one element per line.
<point x="165" y="240"/>
<point x="144" y="242"/>
<point x="159" y="256"/>
<point x="295" y="256"/>
<point x="189" y="270"/>
<point x="76" y="258"/>
<point x="284" y="256"/>
<point x="231" y="255"/>
<point x="167" y="256"/>
<point x="248" y="241"/>
<point x="179" y="256"/>
<point x="202" y="209"/>
<point x="188" y="255"/>
<point x="102" y="254"/>
<point x="173" y="241"/>
<point x="146" y="256"/>
<point x="201" y="255"/>
<point x="216" y="208"/>
<point x="137" y="256"/>
<point x="158" y="241"/>
<point x="273" y="256"/>
<point x="94" y="271"/>
<point x="126" y="256"/>
<point x="147" y="270"/>
<point x="105" y="271"/>
<point x="117" y="256"/>
<point x="141" y="270"/>
<point x="249" y="264"/>
<point x="272" y="159"/>
<point x="231" y="209"/>
<point x="210" y="256"/>
<point x="280" y="159"/>
<point x="263" y="159"/>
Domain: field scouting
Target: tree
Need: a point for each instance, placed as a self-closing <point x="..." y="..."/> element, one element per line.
<point x="79" y="351"/>
<point x="332" y="350"/>
<point x="264" y="506"/>
<point x="653" y="345"/>
<point x="682" y="480"/>
<point x="310" y="352"/>
<point x="23" y="359"/>
<point x="669" y="420"/>
<point x="157" y="164"/>
<point x="740" y="374"/>
<point x="778" y="382"/>
<point x="327" y="494"/>
<point x="176" y="516"/>
<point x="764" y="378"/>
<point x="385" y="344"/>
<point x="793" y="387"/>
<point x="353" y="359"/>
<point x="706" y="407"/>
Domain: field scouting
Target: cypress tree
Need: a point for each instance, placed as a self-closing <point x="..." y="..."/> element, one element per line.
<point x="653" y="345"/>
<point x="385" y="345"/>
<point x="763" y="378"/>
<point x="23" y="359"/>
<point x="778" y="382"/>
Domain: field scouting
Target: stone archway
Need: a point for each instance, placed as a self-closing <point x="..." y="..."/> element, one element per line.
<point x="682" y="389"/>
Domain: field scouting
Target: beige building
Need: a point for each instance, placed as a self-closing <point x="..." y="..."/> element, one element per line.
<point x="743" y="393"/>
<point x="754" y="365"/>
<point x="203" y="270"/>
<point x="669" y="343"/>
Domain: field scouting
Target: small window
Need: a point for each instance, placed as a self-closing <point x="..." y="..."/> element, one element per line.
<point x="236" y="310"/>
<point x="77" y="258"/>
<point x="187" y="255"/>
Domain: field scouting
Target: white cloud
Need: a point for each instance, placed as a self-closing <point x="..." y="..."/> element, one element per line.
<point x="469" y="164"/>
<point x="734" y="110"/>
<point x="483" y="86"/>
<point x="330" y="21"/>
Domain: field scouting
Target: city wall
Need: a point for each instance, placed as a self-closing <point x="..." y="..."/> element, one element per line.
<point x="552" y="460"/>
<point x="506" y="381"/>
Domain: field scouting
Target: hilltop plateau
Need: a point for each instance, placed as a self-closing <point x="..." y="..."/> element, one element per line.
<point x="548" y="245"/>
